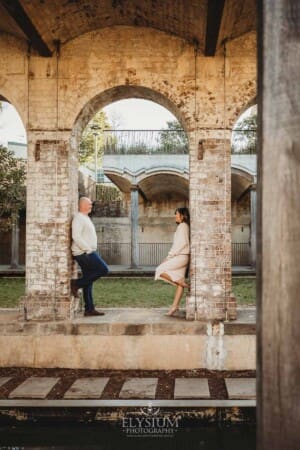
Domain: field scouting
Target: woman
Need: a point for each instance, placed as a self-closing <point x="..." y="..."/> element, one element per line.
<point x="174" y="267"/>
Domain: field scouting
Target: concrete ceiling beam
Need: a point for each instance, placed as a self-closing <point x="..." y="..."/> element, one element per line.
<point x="17" y="12"/>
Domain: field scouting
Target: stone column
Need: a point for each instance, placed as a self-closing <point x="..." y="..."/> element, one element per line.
<point x="134" y="208"/>
<point x="210" y="206"/>
<point x="52" y="192"/>
<point x="253" y="225"/>
<point x="15" y="234"/>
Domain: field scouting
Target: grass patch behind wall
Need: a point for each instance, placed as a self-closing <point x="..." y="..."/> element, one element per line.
<point x="127" y="292"/>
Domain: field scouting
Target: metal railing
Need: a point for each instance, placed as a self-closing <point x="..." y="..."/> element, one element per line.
<point x="241" y="254"/>
<point x="153" y="253"/>
<point x="150" y="254"/>
<point x="144" y="142"/>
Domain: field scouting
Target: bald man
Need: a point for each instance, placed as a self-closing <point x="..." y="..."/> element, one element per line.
<point x="84" y="246"/>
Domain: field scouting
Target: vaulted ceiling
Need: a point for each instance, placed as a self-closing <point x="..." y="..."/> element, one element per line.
<point x="205" y="23"/>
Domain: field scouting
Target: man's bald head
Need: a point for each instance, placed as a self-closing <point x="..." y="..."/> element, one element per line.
<point x="85" y="205"/>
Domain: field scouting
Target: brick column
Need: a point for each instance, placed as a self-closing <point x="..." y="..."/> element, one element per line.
<point x="210" y="205"/>
<point x="52" y="191"/>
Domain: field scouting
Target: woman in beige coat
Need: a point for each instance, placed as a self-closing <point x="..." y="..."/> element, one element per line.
<point x="174" y="267"/>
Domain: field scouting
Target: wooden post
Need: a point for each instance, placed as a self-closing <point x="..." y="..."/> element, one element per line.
<point x="278" y="259"/>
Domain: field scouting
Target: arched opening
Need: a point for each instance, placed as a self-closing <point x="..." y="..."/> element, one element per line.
<point x="243" y="186"/>
<point x="135" y="229"/>
<point x="13" y="144"/>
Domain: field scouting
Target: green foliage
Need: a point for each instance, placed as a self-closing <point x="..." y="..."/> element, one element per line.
<point x="108" y="193"/>
<point x="12" y="188"/>
<point x="173" y="139"/>
<point x="92" y="137"/>
<point x="244" y="137"/>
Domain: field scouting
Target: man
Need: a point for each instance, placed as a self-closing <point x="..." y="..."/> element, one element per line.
<point x="84" y="246"/>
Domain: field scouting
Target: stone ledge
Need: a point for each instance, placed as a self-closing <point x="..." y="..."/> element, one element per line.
<point x="127" y="321"/>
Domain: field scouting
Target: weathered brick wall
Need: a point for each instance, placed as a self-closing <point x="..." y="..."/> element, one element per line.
<point x="51" y="190"/>
<point x="57" y="96"/>
<point x="210" y="196"/>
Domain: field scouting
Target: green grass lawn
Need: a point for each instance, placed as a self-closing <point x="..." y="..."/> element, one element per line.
<point x="124" y="292"/>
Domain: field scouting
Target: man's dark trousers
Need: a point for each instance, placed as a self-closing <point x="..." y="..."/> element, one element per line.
<point x="92" y="267"/>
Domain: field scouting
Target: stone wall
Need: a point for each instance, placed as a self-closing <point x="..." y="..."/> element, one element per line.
<point x="241" y="219"/>
<point x="57" y="96"/>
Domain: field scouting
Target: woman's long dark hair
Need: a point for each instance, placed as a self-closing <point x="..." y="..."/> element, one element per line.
<point x="184" y="212"/>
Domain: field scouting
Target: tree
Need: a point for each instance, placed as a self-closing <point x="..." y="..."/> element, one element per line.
<point x="91" y="137"/>
<point x="244" y="136"/>
<point x="12" y="188"/>
<point x="173" y="139"/>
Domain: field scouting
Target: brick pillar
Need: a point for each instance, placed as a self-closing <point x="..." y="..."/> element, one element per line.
<point x="210" y="206"/>
<point x="52" y="192"/>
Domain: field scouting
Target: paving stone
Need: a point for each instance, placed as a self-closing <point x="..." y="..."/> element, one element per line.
<point x="191" y="388"/>
<point x="4" y="380"/>
<point x="139" y="388"/>
<point x="241" y="388"/>
<point x="34" y="387"/>
<point x="87" y="388"/>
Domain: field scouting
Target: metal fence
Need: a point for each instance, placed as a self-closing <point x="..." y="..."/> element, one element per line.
<point x="153" y="253"/>
<point x="241" y="254"/>
<point x="150" y="254"/>
<point x="126" y="142"/>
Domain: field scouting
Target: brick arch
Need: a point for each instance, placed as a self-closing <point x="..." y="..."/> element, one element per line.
<point x="251" y="102"/>
<point x="120" y="93"/>
<point x="9" y="98"/>
<point x="162" y="181"/>
<point x="248" y="99"/>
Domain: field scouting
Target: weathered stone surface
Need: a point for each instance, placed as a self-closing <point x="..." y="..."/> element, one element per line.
<point x="87" y="388"/>
<point x="139" y="388"/>
<point x="56" y="101"/>
<point x="191" y="388"/>
<point x="34" y="387"/>
<point x="180" y="351"/>
<point x="241" y="388"/>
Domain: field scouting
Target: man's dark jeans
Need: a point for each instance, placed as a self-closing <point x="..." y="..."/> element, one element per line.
<point x="92" y="267"/>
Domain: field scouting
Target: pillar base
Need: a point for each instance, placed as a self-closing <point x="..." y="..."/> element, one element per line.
<point x="231" y="304"/>
<point x="48" y="307"/>
<point x="198" y="308"/>
<point x="190" y="307"/>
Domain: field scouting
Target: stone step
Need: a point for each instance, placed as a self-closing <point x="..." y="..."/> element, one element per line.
<point x="139" y="388"/>
<point x="192" y="388"/>
<point x="241" y="388"/>
<point x="34" y="387"/>
<point x="4" y="380"/>
<point x="87" y="388"/>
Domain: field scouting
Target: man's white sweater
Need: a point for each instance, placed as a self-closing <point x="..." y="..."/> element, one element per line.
<point x="83" y="234"/>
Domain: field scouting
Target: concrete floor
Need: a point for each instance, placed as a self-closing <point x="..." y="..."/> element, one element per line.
<point x="246" y="315"/>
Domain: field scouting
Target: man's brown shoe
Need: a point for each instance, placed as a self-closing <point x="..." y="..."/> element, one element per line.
<point x="94" y="313"/>
<point x="74" y="288"/>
